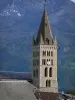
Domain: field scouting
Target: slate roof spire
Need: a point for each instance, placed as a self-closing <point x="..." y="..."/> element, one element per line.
<point x="44" y="35"/>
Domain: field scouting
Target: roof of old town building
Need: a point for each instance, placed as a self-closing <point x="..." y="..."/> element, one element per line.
<point x="46" y="95"/>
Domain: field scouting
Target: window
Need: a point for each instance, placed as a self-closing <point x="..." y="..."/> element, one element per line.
<point x="35" y="54"/>
<point x="51" y="53"/>
<point x="47" y="40"/>
<point x="37" y="62"/>
<point x="46" y="83"/>
<point x="44" y="53"/>
<point x="48" y="53"/>
<point x="46" y="72"/>
<point x="34" y="73"/>
<point x="49" y="83"/>
<point x="51" y="61"/>
<point x="50" y="72"/>
<point x="34" y="62"/>
<point x="43" y="62"/>
<point x="47" y="60"/>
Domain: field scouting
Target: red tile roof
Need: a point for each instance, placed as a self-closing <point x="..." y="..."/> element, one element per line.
<point x="46" y="95"/>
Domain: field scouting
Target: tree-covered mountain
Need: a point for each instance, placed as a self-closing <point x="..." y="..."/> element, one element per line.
<point x="19" y="21"/>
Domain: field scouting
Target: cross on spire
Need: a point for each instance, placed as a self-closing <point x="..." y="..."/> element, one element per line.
<point x="45" y="1"/>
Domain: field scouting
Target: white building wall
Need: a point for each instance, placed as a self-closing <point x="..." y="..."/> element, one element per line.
<point x="54" y="83"/>
<point x="41" y="79"/>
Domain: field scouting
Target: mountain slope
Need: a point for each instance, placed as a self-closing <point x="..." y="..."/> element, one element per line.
<point x="16" y="35"/>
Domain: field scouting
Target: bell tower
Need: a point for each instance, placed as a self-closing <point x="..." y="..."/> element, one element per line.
<point x="44" y="48"/>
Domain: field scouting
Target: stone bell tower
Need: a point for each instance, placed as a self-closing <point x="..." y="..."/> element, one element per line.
<point x="44" y="48"/>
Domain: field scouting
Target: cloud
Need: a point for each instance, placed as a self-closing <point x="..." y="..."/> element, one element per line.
<point x="19" y="14"/>
<point x="11" y="11"/>
<point x="73" y="1"/>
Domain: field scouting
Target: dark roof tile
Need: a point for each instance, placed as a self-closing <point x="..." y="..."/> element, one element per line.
<point x="46" y="95"/>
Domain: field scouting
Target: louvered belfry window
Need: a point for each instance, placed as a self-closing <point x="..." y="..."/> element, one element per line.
<point x="44" y="53"/>
<point x="46" y="72"/>
<point x="50" y="72"/>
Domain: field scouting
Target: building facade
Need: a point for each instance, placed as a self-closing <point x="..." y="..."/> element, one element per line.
<point x="44" y="49"/>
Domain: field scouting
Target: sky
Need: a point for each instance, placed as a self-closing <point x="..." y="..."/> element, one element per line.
<point x="73" y="1"/>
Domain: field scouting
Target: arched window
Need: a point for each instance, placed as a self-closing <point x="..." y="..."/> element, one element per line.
<point x="33" y="54"/>
<point x="47" y="60"/>
<point x="48" y="53"/>
<point x="46" y="83"/>
<point x="49" y="83"/>
<point x="44" y="53"/>
<point x="51" y="53"/>
<point x="37" y="62"/>
<point x="33" y="62"/>
<point x="33" y="73"/>
<point x="46" y="72"/>
<point x="36" y="72"/>
<point x="43" y="61"/>
<point x="51" y="61"/>
<point x="47" y="40"/>
<point x="50" y="72"/>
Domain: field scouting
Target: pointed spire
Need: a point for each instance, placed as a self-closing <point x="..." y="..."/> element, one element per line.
<point x="44" y="31"/>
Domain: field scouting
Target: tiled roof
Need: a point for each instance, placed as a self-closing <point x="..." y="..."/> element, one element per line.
<point x="16" y="90"/>
<point x="46" y="95"/>
<point x="65" y="96"/>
